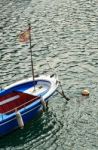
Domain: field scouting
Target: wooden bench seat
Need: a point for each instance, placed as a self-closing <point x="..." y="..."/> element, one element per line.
<point x="13" y="100"/>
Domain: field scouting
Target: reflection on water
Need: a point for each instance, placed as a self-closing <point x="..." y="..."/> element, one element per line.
<point x="65" y="34"/>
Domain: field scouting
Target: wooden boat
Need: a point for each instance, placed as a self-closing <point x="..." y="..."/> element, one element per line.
<point x="23" y="100"/>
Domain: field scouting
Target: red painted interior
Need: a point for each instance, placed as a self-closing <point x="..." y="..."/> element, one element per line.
<point x="23" y="100"/>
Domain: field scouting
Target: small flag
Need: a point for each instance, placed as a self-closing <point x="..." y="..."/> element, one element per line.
<point x="24" y="36"/>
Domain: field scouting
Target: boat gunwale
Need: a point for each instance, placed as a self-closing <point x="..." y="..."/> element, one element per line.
<point x="13" y="87"/>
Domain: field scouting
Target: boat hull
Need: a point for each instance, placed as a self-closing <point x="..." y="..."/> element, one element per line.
<point x="8" y="121"/>
<point x="10" y="124"/>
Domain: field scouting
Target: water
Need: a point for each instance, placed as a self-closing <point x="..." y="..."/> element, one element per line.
<point x="65" y="33"/>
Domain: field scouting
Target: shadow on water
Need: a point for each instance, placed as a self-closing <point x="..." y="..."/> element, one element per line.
<point x="20" y="136"/>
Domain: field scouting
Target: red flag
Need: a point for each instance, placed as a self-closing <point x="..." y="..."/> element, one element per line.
<point x="24" y="36"/>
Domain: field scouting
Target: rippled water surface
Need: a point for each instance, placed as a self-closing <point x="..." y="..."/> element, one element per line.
<point x="65" y="33"/>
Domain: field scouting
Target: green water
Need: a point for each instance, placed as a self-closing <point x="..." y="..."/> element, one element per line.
<point x="65" y="33"/>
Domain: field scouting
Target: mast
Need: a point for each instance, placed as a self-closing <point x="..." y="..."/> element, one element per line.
<point x="31" y="50"/>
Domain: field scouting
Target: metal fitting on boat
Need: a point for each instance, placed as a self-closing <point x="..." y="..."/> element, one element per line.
<point x="51" y="75"/>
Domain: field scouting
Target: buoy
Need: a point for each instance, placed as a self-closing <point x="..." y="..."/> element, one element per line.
<point x="85" y="92"/>
<point x="43" y="103"/>
<point x="19" y="120"/>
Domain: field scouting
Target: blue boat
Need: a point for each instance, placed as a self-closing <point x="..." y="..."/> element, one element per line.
<point x="23" y="100"/>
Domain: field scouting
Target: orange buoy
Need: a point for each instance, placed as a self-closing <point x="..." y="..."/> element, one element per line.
<point x="85" y="92"/>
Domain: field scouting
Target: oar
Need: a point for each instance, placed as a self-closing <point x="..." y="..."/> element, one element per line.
<point x="64" y="96"/>
<point x="62" y="93"/>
